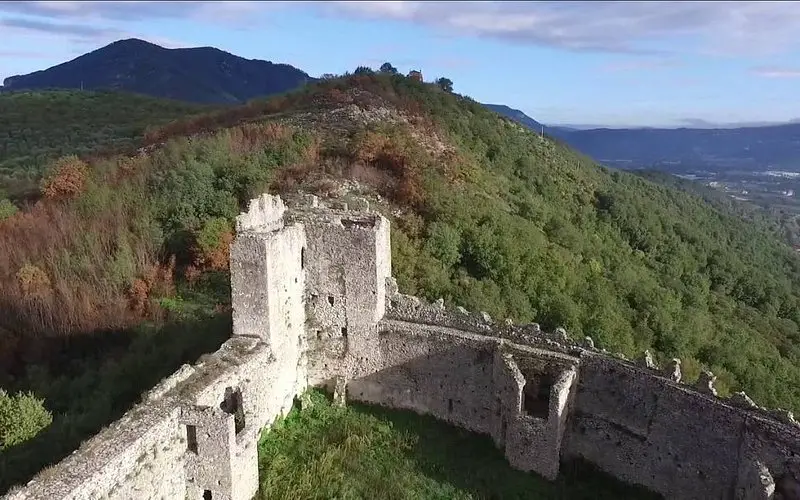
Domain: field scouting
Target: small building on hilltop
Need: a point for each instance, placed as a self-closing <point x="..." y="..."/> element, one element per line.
<point x="415" y="75"/>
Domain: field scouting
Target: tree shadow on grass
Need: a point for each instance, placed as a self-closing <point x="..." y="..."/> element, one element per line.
<point x="91" y="380"/>
<point x="472" y="463"/>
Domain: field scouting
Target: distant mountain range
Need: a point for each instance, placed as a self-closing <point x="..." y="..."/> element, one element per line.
<point x="754" y="148"/>
<point x="209" y="75"/>
<point x="201" y="74"/>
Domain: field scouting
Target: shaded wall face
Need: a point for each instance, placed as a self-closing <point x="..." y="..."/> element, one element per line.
<point x="347" y="263"/>
<point x="645" y="431"/>
<point x="449" y="378"/>
<point x="470" y="381"/>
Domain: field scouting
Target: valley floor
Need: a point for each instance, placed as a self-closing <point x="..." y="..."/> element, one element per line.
<point x="326" y="452"/>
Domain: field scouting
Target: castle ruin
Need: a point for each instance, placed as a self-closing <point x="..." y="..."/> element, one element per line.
<point x="314" y="304"/>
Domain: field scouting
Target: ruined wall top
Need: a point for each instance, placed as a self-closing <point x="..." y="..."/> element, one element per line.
<point x="348" y="212"/>
<point x="264" y="214"/>
<point x="416" y="310"/>
<point x="271" y="212"/>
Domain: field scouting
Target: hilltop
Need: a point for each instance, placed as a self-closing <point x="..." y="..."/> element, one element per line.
<point x="199" y="74"/>
<point x="485" y="214"/>
<point x="212" y="76"/>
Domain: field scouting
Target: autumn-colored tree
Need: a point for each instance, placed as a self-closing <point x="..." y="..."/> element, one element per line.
<point x="67" y="178"/>
<point x="33" y="281"/>
<point x="213" y="244"/>
<point x="415" y="75"/>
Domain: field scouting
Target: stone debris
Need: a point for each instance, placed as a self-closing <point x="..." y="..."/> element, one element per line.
<point x="647" y="360"/>
<point x="391" y="287"/>
<point x="359" y="205"/>
<point x="673" y="370"/>
<point x="305" y="402"/>
<point x="742" y="400"/>
<point x="705" y="383"/>
<point x="588" y="342"/>
<point x="340" y="391"/>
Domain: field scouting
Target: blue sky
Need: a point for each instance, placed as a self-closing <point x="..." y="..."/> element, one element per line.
<point x="606" y="63"/>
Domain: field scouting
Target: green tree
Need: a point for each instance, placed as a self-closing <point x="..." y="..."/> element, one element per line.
<point x="388" y="68"/>
<point x="22" y="416"/>
<point x="7" y="209"/>
<point x="445" y="84"/>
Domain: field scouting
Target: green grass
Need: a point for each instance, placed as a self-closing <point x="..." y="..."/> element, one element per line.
<point x="328" y="452"/>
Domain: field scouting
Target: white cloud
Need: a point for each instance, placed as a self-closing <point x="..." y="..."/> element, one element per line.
<point x="719" y="28"/>
<point x="776" y="72"/>
<point x="723" y="27"/>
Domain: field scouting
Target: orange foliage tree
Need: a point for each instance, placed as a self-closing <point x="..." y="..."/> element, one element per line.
<point x="67" y="178"/>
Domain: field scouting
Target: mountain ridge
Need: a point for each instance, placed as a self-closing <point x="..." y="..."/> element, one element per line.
<point x="197" y="74"/>
<point x="755" y="147"/>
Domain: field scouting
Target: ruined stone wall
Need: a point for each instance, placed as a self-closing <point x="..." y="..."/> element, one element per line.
<point x="314" y="304"/>
<point x="632" y="420"/>
<point x="195" y="435"/>
<point x="646" y="429"/>
<point x="348" y="262"/>
<point x="149" y="452"/>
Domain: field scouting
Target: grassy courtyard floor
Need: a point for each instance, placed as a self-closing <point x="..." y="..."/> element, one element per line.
<point x="363" y="452"/>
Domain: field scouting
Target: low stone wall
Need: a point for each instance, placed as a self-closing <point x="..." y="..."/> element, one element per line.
<point x="150" y="452"/>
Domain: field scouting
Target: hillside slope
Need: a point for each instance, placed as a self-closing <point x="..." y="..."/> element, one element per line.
<point x="198" y="74"/>
<point x="39" y="126"/>
<point x="502" y="220"/>
<point x="485" y="214"/>
<point x="518" y="116"/>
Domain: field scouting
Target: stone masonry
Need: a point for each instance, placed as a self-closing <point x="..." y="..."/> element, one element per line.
<point x="314" y="304"/>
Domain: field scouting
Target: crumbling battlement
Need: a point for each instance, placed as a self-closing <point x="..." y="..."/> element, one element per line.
<point x="314" y="304"/>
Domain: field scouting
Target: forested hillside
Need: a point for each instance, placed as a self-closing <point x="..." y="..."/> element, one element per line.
<point x="38" y="126"/>
<point x="485" y="214"/>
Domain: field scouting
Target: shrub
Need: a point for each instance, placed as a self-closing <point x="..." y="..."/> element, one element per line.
<point x="66" y="179"/>
<point x="213" y="243"/>
<point x="22" y="416"/>
<point x="7" y="209"/>
<point x="33" y="281"/>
